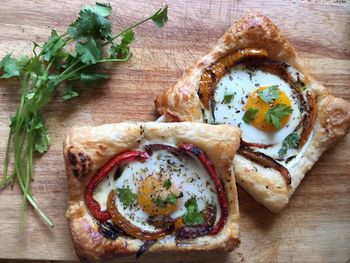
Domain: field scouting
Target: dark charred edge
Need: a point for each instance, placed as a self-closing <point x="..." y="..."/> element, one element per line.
<point x="151" y="148"/>
<point x="109" y="231"/>
<point x="265" y="161"/>
<point x="190" y="148"/>
<point x="72" y="157"/>
<point x="309" y="119"/>
<point x="212" y="107"/>
<point x="187" y="232"/>
<point x="257" y="145"/>
<point x="118" y="172"/>
<point x="145" y="247"/>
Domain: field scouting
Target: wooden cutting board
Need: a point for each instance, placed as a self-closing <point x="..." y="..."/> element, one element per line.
<point x="315" y="227"/>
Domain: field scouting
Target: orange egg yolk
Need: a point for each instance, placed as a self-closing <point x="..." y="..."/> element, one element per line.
<point x="254" y="101"/>
<point x="152" y="188"/>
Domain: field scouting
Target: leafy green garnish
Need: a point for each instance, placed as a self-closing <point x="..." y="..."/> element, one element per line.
<point x="290" y="142"/>
<point x="269" y="94"/>
<point x="161" y="17"/>
<point x="228" y="97"/>
<point x="250" y="115"/>
<point x="9" y="66"/>
<point x="276" y="113"/>
<point x="192" y="216"/>
<point x="171" y="199"/>
<point x="69" y="94"/>
<point x="167" y="183"/>
<point x="53" y="66"/>
<point x="126" y="196"/>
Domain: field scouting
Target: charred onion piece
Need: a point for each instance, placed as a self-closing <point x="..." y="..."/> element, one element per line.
<point x="118" y="160"/>
<point x="109" y="231"/>
<point x="309" y="120"/>
<point x="144" y="247"/>
<point x="265" y="161"/>
<point x="209" y="215"/>
<point x="219" y="69"/>
<point x="257" y="145"/>
<point x="201" y="156"/>
<point x="126" y="226"/>
<point x="151" y="148"/>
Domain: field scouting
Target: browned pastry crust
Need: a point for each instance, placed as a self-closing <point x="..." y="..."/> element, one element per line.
<point x="86" y="149"/>
<point x="254" y="30"/>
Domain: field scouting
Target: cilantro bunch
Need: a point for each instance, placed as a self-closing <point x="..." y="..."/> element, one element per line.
<point x="51" y="67"/>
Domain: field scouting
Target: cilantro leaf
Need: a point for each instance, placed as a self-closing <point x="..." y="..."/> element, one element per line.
<point x="276" y="113"/>
<point x="227" y="98"/>
<point x="290" y="142"/>
<point x="10" y="67"/>
<point x="41" y="135"/>
<point x="167" y="183"/>
<point x="69" y="94"/>
<point x="269" y="94"/>
<point x="171" y="199"/>
<point x="250" y="115"/>
<point x="34" y="65"/>
<point x="89" y="52"/>
<point x="161" y="17"/>
<point x="99" y="9"/>
<point x="53" y="46"/>
<point x="128" y="37"/>
<point x="126" y="196"/>
<point x="192" y="216"/>
<point x="90" y="24"/>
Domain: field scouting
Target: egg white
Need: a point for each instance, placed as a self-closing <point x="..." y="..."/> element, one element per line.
<point x="185" y="172"/>
<point x="242" y="82"/>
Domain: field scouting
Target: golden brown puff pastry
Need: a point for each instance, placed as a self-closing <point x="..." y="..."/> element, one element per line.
<point x="255" y="41"/>
<point x="87" y="149"/>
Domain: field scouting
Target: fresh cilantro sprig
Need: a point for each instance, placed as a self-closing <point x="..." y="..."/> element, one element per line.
<point x="126" y="196"/>
<point x="171" y="199"/>
<point x="290" y="142"/>
<point x="250" y="115"/>
<point x="192" y="216"/>
<point x="276" y="113"/>
<point x="52" y="67"/>
<point x="269" y="94"/>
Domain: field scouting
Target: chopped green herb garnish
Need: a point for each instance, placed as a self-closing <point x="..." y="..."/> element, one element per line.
<point x="276" y="113"/>
<point x="192" y="216"/>
<point x="171" y="199"/>
<point x="250" y="115"/>
<point x="167" y="183"/>
<point x="126" y="196"/>
<point x="54" y="66"/>
<point x="290" y="142"/>
<point x="228" y="98"/>
<point x="269" y="94"/>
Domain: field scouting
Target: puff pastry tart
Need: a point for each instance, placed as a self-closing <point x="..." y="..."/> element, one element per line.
<point x="252" y="79"/>
<point x="151" y="186"/>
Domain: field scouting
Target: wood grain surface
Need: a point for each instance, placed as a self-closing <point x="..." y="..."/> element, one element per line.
<point x="315" y="227"/>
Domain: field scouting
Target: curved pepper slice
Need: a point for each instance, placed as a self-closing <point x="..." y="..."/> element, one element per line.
<point x="118" y="160"/>
<point x="200" y="155"/>
<point x="129" y="228"/>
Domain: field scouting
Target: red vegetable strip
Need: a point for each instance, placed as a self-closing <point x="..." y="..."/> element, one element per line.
<point x="190" y="148"/>
<point x="118" y="160"/>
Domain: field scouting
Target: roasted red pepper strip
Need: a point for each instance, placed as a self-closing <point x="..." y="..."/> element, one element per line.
<point x="125" y="225"/>
<point x="118" y="160"/>
<point x="200" y="155"/>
